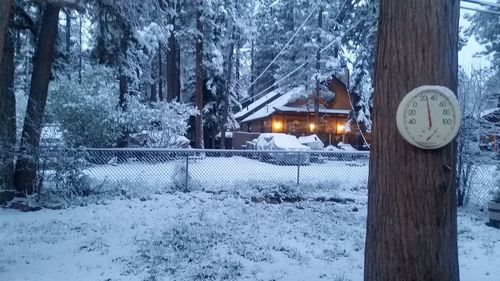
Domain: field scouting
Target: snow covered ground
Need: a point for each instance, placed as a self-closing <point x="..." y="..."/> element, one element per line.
<point x="229" y="171"/>
<point x="235" y="233"/>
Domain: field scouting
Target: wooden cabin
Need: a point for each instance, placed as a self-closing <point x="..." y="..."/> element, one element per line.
<point x="292" y="112"/>
<point x="490" y="123"/>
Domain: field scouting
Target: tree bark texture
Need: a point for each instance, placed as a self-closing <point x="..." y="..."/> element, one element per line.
<point x="80" y="55"/>
<point x="411" y="226"/>
<point x="226" y="100"/>
<point x="173" y="71"/>
<point x="69" y="68"/>
<point x="198" y="132"/>
<point x="153" y="98"/>
<point x="5" y="11"/>
<point x="27" y="162"/>
<point x="160" y="73"/>
<point x="7" y="115"/>
<point x="123" y="79"/>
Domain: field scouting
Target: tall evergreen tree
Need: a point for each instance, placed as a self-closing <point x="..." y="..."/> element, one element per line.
<point x="412" y="206"/>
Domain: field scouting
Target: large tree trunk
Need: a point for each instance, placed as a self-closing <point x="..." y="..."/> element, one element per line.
<point x="198" y="130"/>
<point x="412" y="227"/>
<point x="80" y="55"/>
<point x="153" y="97"/>
<point x="173" y="71"/>
<point x="226" y="100"/>
<point x="69" y="69"/>
<point x="7" y="115"/>
<point x="5" y="11"/>
<point x="160" y="73"/>
<point x="26" y="166"/>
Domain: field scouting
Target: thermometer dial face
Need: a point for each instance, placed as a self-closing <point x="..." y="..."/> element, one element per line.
<point x="429" y="117"/>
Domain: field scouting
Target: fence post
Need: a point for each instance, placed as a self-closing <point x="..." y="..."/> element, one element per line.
<point x="298" y="168"/>
<point x="187" y="170"/>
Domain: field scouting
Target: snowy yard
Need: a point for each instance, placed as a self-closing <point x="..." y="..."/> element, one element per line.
<point x="222" y="171"/>
<point x="238" y="233"/>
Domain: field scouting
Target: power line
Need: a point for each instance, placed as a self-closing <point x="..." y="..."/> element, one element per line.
<point x="481" y="10"/>
<point x="261" y="93"/>
<point x="287" y="44"/>
<point x="256" y="96"/>
<point x="483" y="3"/>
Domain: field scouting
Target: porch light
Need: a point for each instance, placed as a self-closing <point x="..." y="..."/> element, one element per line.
<point x="312" y="127"/>
<point x="277" y="125"/>
<point x="340" y="128"/>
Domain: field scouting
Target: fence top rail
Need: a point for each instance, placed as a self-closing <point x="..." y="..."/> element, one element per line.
<point x="215" y="151"/>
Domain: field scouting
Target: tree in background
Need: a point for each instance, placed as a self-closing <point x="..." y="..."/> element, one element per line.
<point x="484" y="27"/>
<point x="204" y="53"/>
<point x="7" y="99"/>
<point x="5" y="14"/>
<point x="412" y="213"/>
<point x="476" y="97"/>
<point x="26" y="164"/>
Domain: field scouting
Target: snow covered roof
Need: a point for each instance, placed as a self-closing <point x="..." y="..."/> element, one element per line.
<point x="280" y="105"/>
<point x="260" y="102"/>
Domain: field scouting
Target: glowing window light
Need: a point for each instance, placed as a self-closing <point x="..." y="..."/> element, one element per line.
<point x="312" y="127"/>
<point x="340" y="128"/>
<point x="278" y="125"/>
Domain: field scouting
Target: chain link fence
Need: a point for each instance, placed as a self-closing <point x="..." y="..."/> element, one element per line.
<point x="160" y="170"/>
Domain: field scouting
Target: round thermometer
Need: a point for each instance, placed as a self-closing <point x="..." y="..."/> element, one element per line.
<point x="429" y="117"/>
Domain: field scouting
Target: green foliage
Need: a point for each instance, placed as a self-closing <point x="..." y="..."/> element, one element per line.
<point x="484" y="27"/>
<point x="65" y="175"/>
<point x="89" y="114"/>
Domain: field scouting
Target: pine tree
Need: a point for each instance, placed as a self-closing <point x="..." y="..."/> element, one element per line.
<point x="412" y="213"/>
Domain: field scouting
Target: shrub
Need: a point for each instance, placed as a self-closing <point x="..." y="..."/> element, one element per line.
<point x="89" y="115"/>
<point x="64" y="169"/>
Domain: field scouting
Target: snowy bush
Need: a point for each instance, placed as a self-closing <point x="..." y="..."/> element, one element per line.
<point x="89" y="114"/>
<point x="188" y="251"/>
<point x="64" y="180"/>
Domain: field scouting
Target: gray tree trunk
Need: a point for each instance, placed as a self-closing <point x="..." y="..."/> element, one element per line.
<point x="27" y="162"/>
<point x="412" y="215"/>
<point x="226" y="101"/>
<point x="160" y="73"/>
<point x="173" y="71"/>
<point x="5" y="11"/>
<point x="7" y="115"/>
<point x="198" y="132"/>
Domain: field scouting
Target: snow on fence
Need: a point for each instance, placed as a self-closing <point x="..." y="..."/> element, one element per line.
<point x="157" y="170"/>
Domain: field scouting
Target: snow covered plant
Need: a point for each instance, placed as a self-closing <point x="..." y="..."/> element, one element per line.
<point x="66" y="177"/>
<point x="162" y="123"/>
<point x="89" y="114"/>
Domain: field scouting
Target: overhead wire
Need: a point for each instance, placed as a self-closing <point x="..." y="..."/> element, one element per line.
<point x="480" y="10"/>
<point x="287" y="44"/>
<point x="261" y="93"/>
<point x="483" y="3"/>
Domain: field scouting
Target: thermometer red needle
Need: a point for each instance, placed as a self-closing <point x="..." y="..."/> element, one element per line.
<point x="429" y="114"/>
